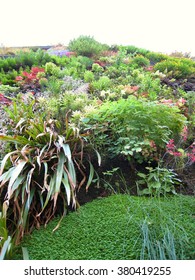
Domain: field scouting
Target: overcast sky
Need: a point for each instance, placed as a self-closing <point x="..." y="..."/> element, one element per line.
<point x="157" y="25"/>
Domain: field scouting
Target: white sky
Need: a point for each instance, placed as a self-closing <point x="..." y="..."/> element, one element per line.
<point x="157" y="25"/>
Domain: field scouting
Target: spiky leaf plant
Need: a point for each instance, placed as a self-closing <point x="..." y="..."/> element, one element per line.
<point x="39" y="176"/>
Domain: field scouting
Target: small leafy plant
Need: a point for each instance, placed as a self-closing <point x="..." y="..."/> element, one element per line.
<point x="158" y="181"/>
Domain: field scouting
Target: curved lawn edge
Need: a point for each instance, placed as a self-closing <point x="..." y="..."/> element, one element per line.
<point x="119" y="227"/>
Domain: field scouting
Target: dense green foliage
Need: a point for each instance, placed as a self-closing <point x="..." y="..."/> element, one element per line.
<point x="86" y="46"/>
<point x="133" y="128"/>
<point x="129" y="106"/>
<point x="39" y="175"/>
<point x="115" y="227"/>
<point x="176" y="67"/>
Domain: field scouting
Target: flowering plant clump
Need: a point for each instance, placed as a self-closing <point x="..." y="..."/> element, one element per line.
<point x="188" y="154"/>
<point x="61" y="53"/>
<point x="30" y="81"/>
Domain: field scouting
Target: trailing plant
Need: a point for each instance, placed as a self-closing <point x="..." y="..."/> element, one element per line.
<point x="43" y="171"/>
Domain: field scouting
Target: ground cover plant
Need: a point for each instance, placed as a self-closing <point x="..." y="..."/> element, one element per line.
<point x="116" y="118"/>
<point x="120" y="227"/>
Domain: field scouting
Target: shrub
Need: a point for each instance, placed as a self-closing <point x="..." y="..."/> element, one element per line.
<point x="39" y="173"/>
<point x="88" y="76"/>
<point x="30" y="81"/>
<point x="134" y="128"/>
<point x="113" y="229"/>
<point x="24" y="59"/>
<point x="156" y="57"/>
<point x="176" y="68"/>
<point x="86" y="46"/>
<point x="52" y="69"/>
<point x="103" y="83"/>
<point x="134" y="50"/>
<point x="140" y="61"/>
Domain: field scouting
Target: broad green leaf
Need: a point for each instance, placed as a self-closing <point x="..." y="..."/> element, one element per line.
<point x="142" y="175"/>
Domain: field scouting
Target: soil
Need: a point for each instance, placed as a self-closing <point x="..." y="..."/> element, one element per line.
<point x="124" y="181"/>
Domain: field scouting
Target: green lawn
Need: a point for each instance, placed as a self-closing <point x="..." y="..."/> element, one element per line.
<point x="120" y="227"/>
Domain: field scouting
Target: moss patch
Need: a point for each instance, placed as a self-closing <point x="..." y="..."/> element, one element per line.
<point x="112" y="228"/>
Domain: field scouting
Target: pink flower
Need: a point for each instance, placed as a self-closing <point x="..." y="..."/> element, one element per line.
<point x="170" y="145"/>
<point x="180" y="102"/>
<point x="19" y="78"/>
<point x="184" y="133"/>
